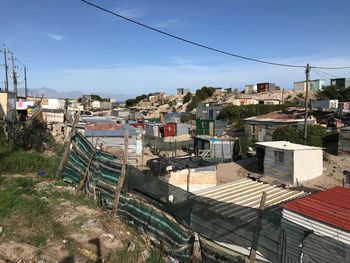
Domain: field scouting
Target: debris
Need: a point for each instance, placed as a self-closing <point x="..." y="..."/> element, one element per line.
<point x="110" y="236"/>
<point x="64" y="241"/>
<point x="91" y="221"/>
<point x="41" y="173"/>
<point x="1" y="229"/>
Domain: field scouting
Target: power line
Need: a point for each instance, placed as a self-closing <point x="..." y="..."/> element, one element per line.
<point x="202" y="45"/>
<point x="325" y="73"/>
<point x="191" y="42"/>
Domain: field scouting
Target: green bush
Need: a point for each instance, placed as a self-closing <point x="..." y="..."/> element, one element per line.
<point x="315" y="135"/>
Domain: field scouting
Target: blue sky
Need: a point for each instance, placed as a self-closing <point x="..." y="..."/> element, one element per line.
<point x="68" y="45"/>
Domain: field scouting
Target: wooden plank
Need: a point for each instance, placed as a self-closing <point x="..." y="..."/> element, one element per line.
<point x="123" y="172"/>
<point x="252" y="254"/>
<point x="83" y="179"/>
<point x="67" y="146"/>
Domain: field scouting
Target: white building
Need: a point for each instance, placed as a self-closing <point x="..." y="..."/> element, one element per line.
<point x="54" y="104"/>
<point x="289" y="162"/>
<point x="96" y="104"/>
<point x="251" y="88"/>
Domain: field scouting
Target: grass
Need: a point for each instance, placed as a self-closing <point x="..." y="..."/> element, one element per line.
<point x="14" y="161"/>
<point x="28" y="215"/>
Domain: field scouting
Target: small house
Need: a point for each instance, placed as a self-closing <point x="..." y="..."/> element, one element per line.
<point x="121" y="113"/>
<point x="261" y="128"/>
<point x="207" y="111"/>
<point x="210" y="127"/>
<point x="212" y="148"/>
<point x="266" y="87"/>
<point x="54" y="104"/>
<point x="317" y="227"/>
<point x="288" y="162"/>
<point x="251" y="88"/>
<point x="160" y="130"/>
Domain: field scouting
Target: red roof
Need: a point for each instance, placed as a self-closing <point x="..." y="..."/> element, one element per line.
<point x="331" y="207"/>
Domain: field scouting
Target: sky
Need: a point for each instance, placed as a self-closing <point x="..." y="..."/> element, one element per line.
<point x="68" y="45"/>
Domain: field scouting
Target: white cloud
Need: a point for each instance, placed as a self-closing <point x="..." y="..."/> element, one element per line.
<point x="169" y="23"/>
<point x="129" y="12"/>
<point x="56" y="37"/>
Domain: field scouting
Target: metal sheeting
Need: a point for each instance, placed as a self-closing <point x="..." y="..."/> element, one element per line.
<point x="330" y="207"/>
<point x="233" y="199"/>
<point x="302" y="245"/>
<point x="103" y="175"/>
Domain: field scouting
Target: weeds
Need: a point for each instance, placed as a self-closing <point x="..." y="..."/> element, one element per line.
<point x="25" y="216"/>
<point x="14" y="161"/>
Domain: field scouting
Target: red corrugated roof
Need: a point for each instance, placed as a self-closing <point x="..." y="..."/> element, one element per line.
<point x="331" y="207"/>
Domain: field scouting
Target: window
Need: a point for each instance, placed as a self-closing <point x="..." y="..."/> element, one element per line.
<point x="253" y="129"/>
<point x="279" y="157"/>
<point x="204" y="125"/>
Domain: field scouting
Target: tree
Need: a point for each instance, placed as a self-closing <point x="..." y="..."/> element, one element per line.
<point x="187" y="97"/>
<point x="315" y="136"/>
<point x="334" y="93"/>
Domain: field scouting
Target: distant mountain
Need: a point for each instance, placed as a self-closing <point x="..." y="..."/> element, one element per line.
<point x="51" y="93"/>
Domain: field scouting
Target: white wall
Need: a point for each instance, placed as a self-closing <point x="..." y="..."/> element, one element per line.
<point x="308" y="164"/>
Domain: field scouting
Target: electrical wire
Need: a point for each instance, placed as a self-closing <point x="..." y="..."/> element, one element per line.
<point x="202" y="45"/>
<point x="190" y="41"/>
<point x="325" y="73"/>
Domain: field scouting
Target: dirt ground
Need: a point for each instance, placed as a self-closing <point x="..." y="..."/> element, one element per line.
<point x="91" y="235"/>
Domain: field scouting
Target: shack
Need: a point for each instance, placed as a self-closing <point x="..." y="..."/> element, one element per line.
<point x="210" y="127"/>
<point x="317" y="227"/>
<point x="289" y="162"/>
<point x="112" y="137"/>
<point x="261" y="128"/>
<point x="344" y="140"/>
<point x="214" y="149"/>
<point x="160" y="130"/>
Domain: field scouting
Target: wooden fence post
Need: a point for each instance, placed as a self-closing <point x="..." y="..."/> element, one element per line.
<point x="252" y="254"/>
<point x="83" y="179"/>
<point x="67" y="146"/>
<point x="123" y="172"/>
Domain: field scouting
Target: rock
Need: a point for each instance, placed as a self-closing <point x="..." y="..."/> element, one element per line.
<point x="145" y="254"/>
<point x="131" y="246"/>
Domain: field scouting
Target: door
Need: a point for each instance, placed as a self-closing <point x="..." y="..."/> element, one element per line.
<point x="260" y="153"/>
<point x="211" y="128"/>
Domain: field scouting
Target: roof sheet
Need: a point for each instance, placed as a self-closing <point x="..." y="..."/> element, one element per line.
<point x="285" y="145"/>
<point x="331" y="207"/>
<point x="236" y="199"/>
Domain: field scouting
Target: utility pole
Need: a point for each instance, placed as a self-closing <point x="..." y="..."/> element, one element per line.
<point x="14" y="77"/>
<point x="6" y="68"/>
<point x="307" y="73"/>
<point x="25" y="82"/>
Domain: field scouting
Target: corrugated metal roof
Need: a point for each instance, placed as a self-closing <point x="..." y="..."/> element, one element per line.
<point x="236" y="199"/>
<point x="111" y="133"/>
<point x="331" y="207"/>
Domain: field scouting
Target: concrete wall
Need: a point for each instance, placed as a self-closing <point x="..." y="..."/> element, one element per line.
<point x="344" y="140"/>
<point x="308" y="164"/>
<point x="7" y="106"/>
<point x="199" y="178"/>
<point x="53" y="117"/>
<point x="280" y="171"/>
